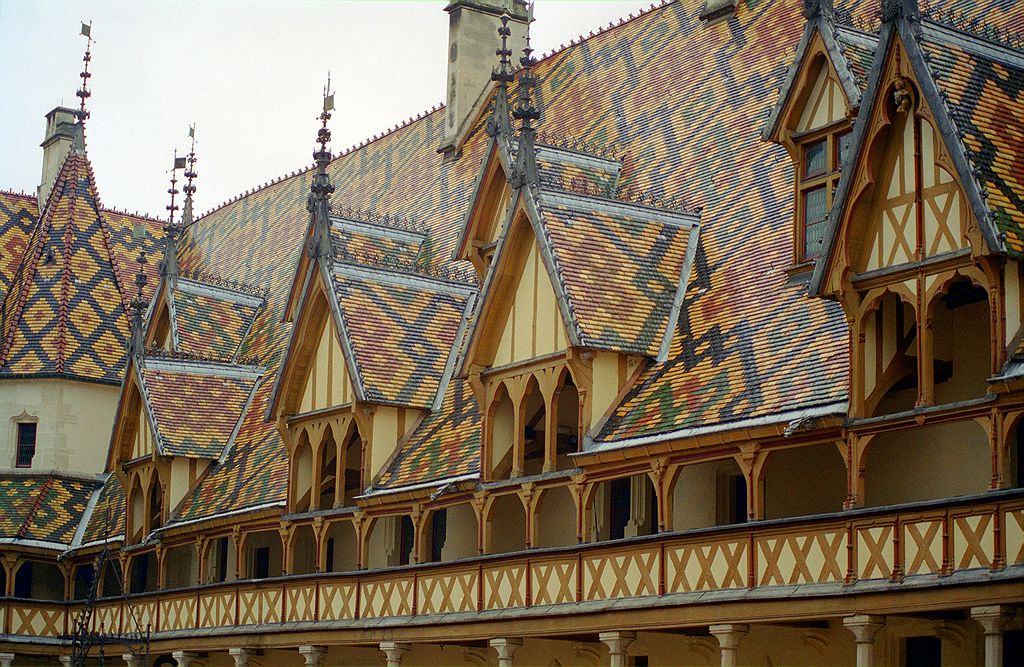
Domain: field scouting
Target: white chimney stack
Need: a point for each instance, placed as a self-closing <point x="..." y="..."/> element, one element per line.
<point x="60" y="134"/>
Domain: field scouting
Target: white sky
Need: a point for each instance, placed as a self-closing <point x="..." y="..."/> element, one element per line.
<point x="248" y="73"/>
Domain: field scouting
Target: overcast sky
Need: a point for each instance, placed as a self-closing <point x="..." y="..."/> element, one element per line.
<point x="248" y="73"/>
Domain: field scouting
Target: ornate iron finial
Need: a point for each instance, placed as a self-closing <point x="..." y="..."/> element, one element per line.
<point x="138" y="306"/>
<point x="895" y="9"/>
<point x="526" y="113"/>
<point x="190" y="175"/>
<point x="83" y="93"/>
<point x="816" y="8"/>
<point x="318" y="204"/>
<point x="169" y="263"/>
<point x="498" y="125"/>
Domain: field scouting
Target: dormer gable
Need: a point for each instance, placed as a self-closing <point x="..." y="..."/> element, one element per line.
<point x="487" y="210"/>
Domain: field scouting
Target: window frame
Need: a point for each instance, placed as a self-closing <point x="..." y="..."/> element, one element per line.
<point x="18" y="426"/>
<point x="832" y="136"/>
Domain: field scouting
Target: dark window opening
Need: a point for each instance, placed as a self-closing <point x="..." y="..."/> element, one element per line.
<point x="438" y="534"/>
<point x="353" y="470"/>
<point x="619" y="500"/>
<point x="406" y="540"/>
<point x="1013" y="648"/>
<point x="261" y="562"/>
<point x="736" y="503"/>
<point x="26" y="444"/>
<point x="140" y="579"/>
<point x="329" y="564"/>
<point x="84" y="576"/>
<point x="112" y="584"/>
<point x="221" y="558"/>
<point x="23" y="581"/>
<point x="922" y="652"/>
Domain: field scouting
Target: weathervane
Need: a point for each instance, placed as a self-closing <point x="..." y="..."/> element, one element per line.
<point x="83" y="92"/>
<point x="318" y="203"/>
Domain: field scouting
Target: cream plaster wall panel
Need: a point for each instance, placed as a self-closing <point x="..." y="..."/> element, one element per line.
<point x="607" y="381"/>
<point x="633" y="574"/>
<point x="143" y="443"/>
<point x="1013" y="300"/>
<point x="553" y="581"/>
<point x="337" y="601"/>
<point x="825" y="105"/>
<point x="927" y="463"/>
<point x="962" y="337"/>
<point x="461" y="533"/>
<point x="328" y="383"/>
<point x="893" y="238"/>
<point x="817" y="471"/>
<point x="74" y="422"/>
<point x="1013" y="531"/>
<point x="875" y="552"/>
<point x="534" y="326"/>
<point x="178" y="613"/>
<point x="450" y="592"/>
<point x="944" y="205"/>
<point x="301" y="602"/>
<point x="922" y="547"/>
<point x="696" y="494"/>
<point x="556" y="518"/>
<point x="973" y="541"/>
<point x="386" y="433"/>
<point x="502" y="426"/>
<point x="179" y="482"/>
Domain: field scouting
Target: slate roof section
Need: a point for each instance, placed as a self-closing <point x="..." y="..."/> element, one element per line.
<point x="621" y="265"/>
<point x="401" y="329"/>
<point x="107" y="518"/>
<point x="64" y="313"/>
<point x="196" y="405"/>
<point x="446" y="444"/>
<point x="43" y="508"/>
<point x="210" y="321"/>
<point x="984" y="83"/>
<point x="18" y="214"/>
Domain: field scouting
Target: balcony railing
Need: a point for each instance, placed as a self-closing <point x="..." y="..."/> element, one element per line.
<point x="883" y="544"/>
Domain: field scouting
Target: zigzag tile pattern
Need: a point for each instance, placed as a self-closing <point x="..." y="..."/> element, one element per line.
<point x="446" y="444"/>
<point x="681" y="102"/>
<point x="64" y="314"/>
<point x="574" y="170"/>
<point x="208" y="326"/>
<point x="195" y="411"/>
<point x="42" y="508"/>
<point x="384" y="247"/>
<point x="401" y="332"/>
<point x="620" y="267"/>
<point x="18" y="213"/>
<point x="106" y="521"/>
<point x="983" y="93"/>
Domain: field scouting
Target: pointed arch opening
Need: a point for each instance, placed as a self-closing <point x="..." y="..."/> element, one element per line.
<point x="961" y="341"/>
<point x="506" y="525"/>
<point x="328" y="471"/>
<point x="302" y="474"/>
<point x="624" y="507"/>
<point x="181" y="566"/>
<point x="889" y="357"/>
<point x="352" y="484"/>
<point x="555" y="518"/>
<point x="136" y="511"/>
<point x="818" y="471"/>
<point x="533" y="421"/>
<point x="501" y="434"/>
<point x="39" y="580"/>
<point x="221" y="560"/>
<point x="113" y="583"/>
<point x="143" y="573"/>
<point x="567" y="410"/>
<point x="262" y="555"/>
<point x="713" y="493"/>
<point x="340" y="547"/>
<point x="390" y="542"/>
<point x="303" y="551"/>
<point x="83" y="581"/>
<point x="451" y="534"/>
<point x="155" y="500"/>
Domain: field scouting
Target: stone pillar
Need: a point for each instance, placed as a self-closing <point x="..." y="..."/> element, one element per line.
<point x="618" y="644"/>
<point x="6" y="659"/>
<point x="505" y="647"/>
<point x="992" y="619"/>
<point x="132" y="660"/>
<point x="64" y="660"/>
<point x="313" y="654"/>
<point x="864" y="629"/>
<point x="185" y="658"/>
<point x="729" y="636"/>
<point x="240" y="656"/>
<point x="394" y="652"/>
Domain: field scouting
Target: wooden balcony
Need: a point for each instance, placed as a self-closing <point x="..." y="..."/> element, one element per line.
<point x="881" y="549"/>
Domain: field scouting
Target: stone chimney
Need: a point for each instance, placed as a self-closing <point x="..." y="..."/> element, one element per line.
<point x="472" y="42"/>
<point x="60" y="134"/>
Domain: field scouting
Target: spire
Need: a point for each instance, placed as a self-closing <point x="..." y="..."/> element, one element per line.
<point x="498" y="125"/>
<point x="318" y="204"/>
<point x="525" y="171"/>
<point x="815" y="8"/>
<point x="169" y="263"/>
<point x="83" y="93"/>
<point x="137" y="344"/>
<point x="190" y="187"/>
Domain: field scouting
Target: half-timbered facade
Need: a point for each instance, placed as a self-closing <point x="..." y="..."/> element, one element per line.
<point x="587" y="371"/>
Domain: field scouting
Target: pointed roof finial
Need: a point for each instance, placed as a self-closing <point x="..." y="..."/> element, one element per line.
<point x="816" y="8"/>
<point x="190" y="175"/>
<point x="895" y="9"/>
<point x="137" y="344"/>
<point x="83" y="93"/>
<point x="169" y="264"/>
<point x="318" y="204"/>
<point x="526" y="113"/>
<point x="498" y="124"/>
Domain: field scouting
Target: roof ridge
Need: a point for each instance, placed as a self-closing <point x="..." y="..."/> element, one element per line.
<point x="16" y="193"/>
<point x="214" y="280"/>
<point x="159" y="353"/>
<point x="394" y="221"/>
<point x="974" y="27"/>
<point x="444" y="272"/>
<point x="30" y="515"/>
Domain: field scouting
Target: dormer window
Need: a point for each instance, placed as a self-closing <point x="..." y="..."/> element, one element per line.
<point x="821" y="158"/>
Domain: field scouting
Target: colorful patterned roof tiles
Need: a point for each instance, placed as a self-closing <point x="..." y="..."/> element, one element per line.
<point x="566" y="169"/>
<point x="983" y="91"/>
<point x="445" y="445"/>
<point x="64" y="313"/>
<point x="402" y="329"/>
<point x="211" y="321"/>
<point x="196" y="406"/>
<point x="107" y="518"/>
<point x="18" y="213"/>
<point x="42" y="508"/>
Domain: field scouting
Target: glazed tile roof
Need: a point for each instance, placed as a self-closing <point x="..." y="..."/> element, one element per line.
<point x="858" y="50"/>
<point x="567" y="169"/>
<point x="210" y="321"/>
<point x="195" y="405"/>
<point x="43" y="508"/>
<point x="106" y="520"/>
<point x="621" y="266"/>
<point x="18" y="213"/>
<point x="358" y="239"/>
<point x="985" y="87"/>
<point x="401" y="329"/>
<point x="64" y="312"/>
<point x="445" y="445"/>
<point x="680" y="102"/>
